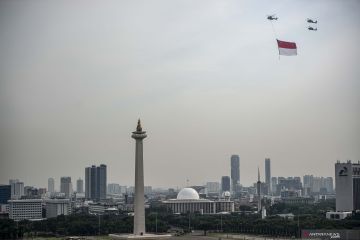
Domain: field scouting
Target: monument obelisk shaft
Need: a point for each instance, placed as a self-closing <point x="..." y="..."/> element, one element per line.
<point x="139" y="208"/>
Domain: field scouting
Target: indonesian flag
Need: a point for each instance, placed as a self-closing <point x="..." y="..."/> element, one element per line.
<point x="286" y="48"/>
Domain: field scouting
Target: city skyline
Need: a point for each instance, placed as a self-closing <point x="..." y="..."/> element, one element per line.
<point x="205" y="79"/>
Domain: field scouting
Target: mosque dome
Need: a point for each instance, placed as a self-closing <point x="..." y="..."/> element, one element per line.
<point x="188" y="194"/>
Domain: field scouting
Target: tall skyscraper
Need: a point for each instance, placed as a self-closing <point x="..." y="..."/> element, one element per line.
<point x="268" y="174"/>
<point x="225" y="183"/>
<point x="347" y="186"/>
<point x="66" y="186"/>
<point x="95" y="182"/>
<point x="235" y="172"/>
<point x="51" y="185"/>
<point x="80" y="186"/>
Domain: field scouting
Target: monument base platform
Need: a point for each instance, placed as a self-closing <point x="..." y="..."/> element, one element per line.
<point x="145" y="236"/>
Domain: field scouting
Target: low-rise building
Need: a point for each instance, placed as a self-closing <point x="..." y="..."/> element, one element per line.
<point x="338" y="215"/>
<point x="103" y="208"/>
<point x="56" y="207"/>
<point x="30" y="209"/>
<point x="298" y="200"/>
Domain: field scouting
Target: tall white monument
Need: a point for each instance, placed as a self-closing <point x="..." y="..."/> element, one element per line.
<point x="139" y="207"/>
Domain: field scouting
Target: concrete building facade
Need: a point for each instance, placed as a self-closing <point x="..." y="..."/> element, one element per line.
<point x="17" y="188"/>
<point x="30" y="209"/>
<point x="268" y="175"/>
<point x="96" y="182"/>
<point x="79" y="185"/>
<point x="347" y="185"/>
<point x="225" y="183"/>
<point x="5" y="193"/>
<point x="56" y="207"/>
<point x="66" y="186"/>
<point x="235" y="172"/>
<point x="51" y="185"/>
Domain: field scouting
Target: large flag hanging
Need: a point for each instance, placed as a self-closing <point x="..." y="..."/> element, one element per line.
<point x="286" y="48"/>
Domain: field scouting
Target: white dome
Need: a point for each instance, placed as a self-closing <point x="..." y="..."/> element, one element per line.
<point x="226" y="194"/>
<point x="188" y="193"/>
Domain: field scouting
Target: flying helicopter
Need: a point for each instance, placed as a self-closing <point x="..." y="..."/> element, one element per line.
<point x="272" y="17"/>
<point x="311" y="21"/>
<point x="312" y="29"/>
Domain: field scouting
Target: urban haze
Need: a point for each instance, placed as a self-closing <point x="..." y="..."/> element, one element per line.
<point x="204" y="77"/>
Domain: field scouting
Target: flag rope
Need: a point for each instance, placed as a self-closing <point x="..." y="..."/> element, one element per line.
<point x="275" y="35"/>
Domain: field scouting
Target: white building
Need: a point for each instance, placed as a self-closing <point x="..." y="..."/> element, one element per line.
<point x="17" y="189"/>
<point x="103" y="208"/>
<point x="338" y="215"/>
<point x="188" y="200"/>
<point x="347" y="185"/>
<point x="56" y="207"/>
<point x="30" y="209"/>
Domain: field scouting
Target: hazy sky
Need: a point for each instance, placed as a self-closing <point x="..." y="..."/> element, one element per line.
<point x="204" y="77"/>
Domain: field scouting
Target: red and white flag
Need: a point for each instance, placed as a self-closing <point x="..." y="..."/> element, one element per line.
<point x="287" y="48"/>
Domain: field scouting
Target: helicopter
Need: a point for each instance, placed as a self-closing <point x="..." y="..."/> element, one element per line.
<point x="272" y="17"/>
<point x="312" y="29"/>
<point x="311" y="21"/>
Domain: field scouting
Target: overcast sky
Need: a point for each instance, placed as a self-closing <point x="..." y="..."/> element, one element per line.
<point x="204" y="77"/>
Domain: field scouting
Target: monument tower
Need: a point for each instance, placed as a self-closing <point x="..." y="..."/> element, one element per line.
<point x="258" y="185"/>
<point x="139" y="208"/>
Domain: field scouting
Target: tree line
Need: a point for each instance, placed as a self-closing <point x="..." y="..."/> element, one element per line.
<point x="160" y="220"/>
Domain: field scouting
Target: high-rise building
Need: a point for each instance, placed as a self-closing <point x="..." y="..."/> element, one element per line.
<point x="102" y="181"/>
<point x="290" y="183"/>
<point x="273" y="184"/>
<point x="268" y="175"/>
<point x="113" y="188"/>
<point x="225" y="183"/>
<point x="5" y="193"/>
<point x="329" y="184"/>
<point x="235" y="172"/>
<point x="95" y="182"/>
<point x="51" y="185"/>
<point x="316" y="185"/>
<point x="347" y="186"/>
<point x="80" y="186"/>
<point x="17" y="188"/>
<point x="308" y="181"/>
<point x="66" y="186"/>
<point x="213" y="187"/>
